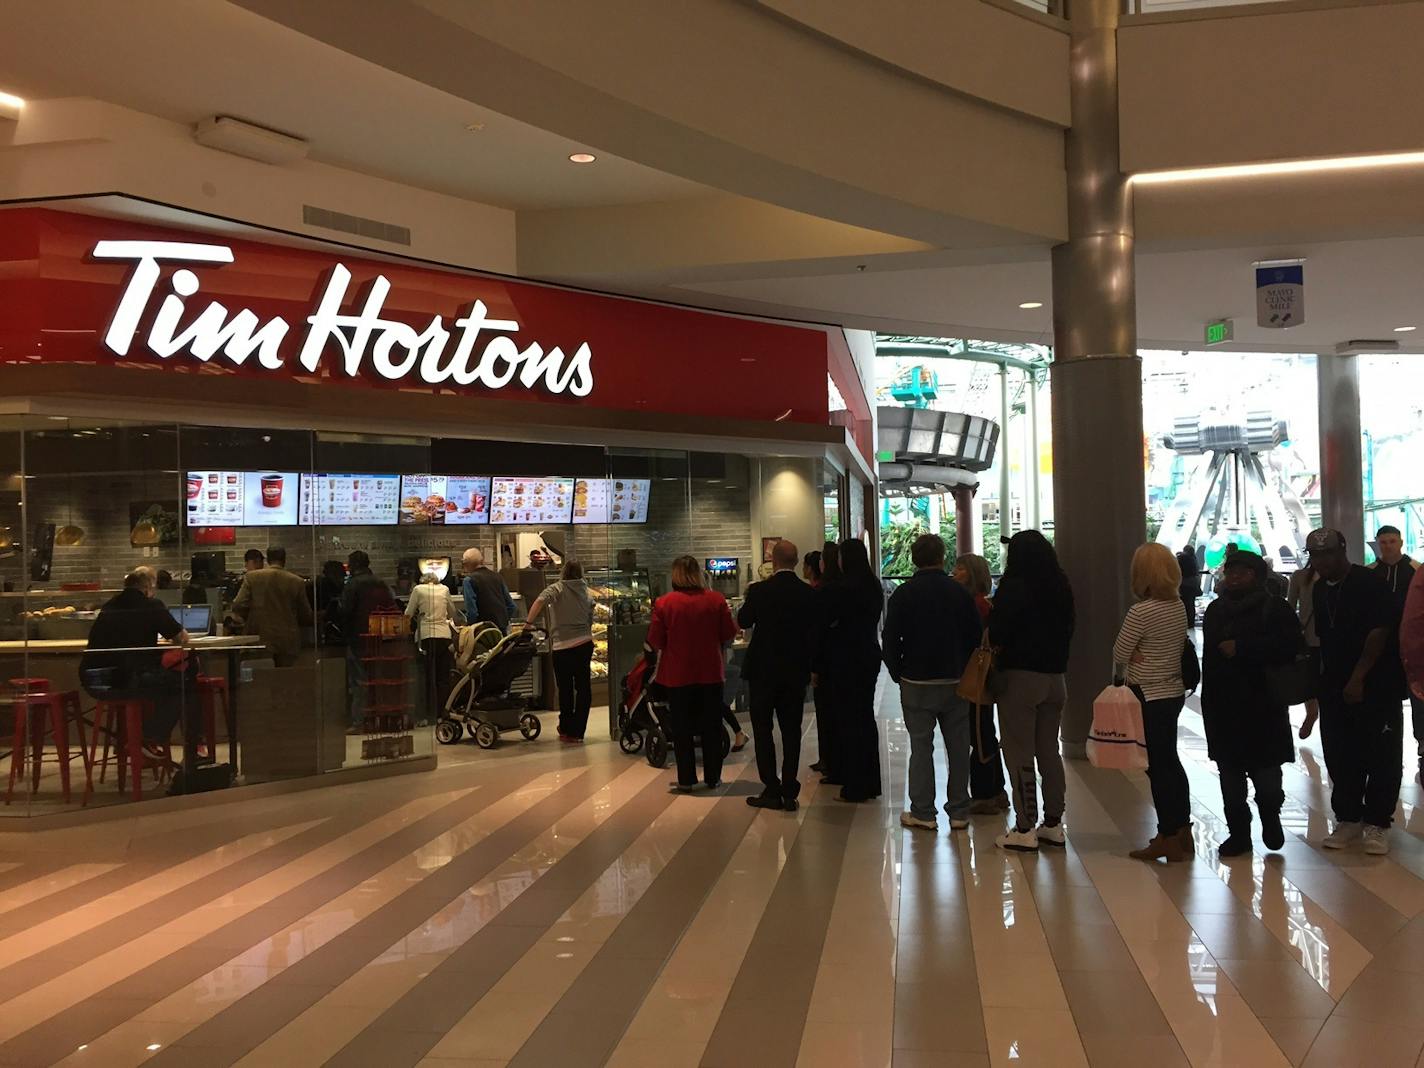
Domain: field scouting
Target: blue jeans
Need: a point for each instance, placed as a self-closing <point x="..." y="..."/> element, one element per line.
<point x="924" y="705"/>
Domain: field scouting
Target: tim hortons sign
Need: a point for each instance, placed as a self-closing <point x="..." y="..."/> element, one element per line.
<point x="473" y="350"/>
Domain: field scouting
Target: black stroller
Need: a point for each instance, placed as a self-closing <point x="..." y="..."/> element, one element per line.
<point x="642" y="715"/>
<point x="480" y="702"/>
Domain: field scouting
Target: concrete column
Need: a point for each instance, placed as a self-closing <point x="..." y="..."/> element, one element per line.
<point x="1099" y="499"/>
<point x="1031" y="405"/>
<point x="1006" y="517"/>
<point x="966" y="520"/>
<point x="1342" y="488"/>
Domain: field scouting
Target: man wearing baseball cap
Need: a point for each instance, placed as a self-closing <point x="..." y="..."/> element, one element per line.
<point x="1361" y="717"/>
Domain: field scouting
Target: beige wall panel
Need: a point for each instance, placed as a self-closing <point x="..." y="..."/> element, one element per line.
<point x="975" y="48"/>
<point x="1277" y="85"/>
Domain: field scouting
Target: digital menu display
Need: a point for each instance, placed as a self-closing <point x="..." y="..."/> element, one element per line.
<point x="444" y="499"/>
<point x="611" y="500"/>
<point x="350" y="500"/>
<point x="242" y="498"/>
<point x="542" y="501"/>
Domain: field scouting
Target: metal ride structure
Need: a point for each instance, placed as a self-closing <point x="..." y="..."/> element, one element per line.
<point x="927" y="468"/>
<point x="1229" y="488"/>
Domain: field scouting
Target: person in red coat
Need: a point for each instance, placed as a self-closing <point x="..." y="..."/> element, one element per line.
<point x="690" y="628"/>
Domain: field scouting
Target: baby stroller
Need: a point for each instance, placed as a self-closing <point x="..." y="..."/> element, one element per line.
<point x="642" y="715"/>
<point x="480" y="702"/>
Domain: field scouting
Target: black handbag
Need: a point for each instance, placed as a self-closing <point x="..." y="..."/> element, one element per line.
<point x="1294" y="682"/>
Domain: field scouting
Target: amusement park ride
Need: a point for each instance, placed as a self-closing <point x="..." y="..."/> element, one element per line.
<point x="1230" y="488"/>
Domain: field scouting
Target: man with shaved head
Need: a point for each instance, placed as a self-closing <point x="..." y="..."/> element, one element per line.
<point x="781" y="613"/>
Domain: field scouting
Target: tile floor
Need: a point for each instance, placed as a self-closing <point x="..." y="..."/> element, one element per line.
<point x="542" y="905"/>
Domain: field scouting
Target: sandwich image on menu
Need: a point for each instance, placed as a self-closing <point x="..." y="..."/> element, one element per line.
<point x="444" y="500"/>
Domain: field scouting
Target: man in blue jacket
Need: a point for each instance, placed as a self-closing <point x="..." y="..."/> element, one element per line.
<point x="931" y="629"/>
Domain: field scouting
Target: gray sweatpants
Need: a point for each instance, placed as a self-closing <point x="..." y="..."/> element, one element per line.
<point x="1030" y="714"/>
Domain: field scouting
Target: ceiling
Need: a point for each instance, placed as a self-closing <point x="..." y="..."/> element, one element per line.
<point x="185" y="60"/>
<point x="1354" y="290"/>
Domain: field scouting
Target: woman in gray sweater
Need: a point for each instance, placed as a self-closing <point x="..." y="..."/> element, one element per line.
<point x="571" y="635"/>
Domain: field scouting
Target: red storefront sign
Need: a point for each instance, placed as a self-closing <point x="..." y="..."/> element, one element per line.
<point x="79" y="289"/>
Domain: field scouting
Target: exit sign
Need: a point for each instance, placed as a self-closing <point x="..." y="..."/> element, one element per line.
<point x="885" y="456"/>
<point x="1221" y="331"/>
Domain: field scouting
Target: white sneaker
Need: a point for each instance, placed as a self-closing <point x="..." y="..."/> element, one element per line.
<point x="1019" y="841"/>
<point x="1052" y="835"/>
<point x="1343" y="835"/>
<point x="956" y="824"/>
<point x="1376" y="841"/>
<point x="909" y="819"/>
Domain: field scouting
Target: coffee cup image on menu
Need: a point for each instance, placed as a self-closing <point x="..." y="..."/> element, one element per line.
<point x="272" y="491"/>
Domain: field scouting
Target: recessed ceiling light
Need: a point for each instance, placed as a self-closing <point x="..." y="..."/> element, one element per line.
<point x="474" y="127"/>
<point x="582" y="157"/>
<point x="1029" y="305"/>
<point x="1297" y="166"/>
<point x="1404" y="329"/>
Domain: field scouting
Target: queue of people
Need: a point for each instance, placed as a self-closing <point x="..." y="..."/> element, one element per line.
<point x="1346" y="640"/>
<point x="818" y="630"/>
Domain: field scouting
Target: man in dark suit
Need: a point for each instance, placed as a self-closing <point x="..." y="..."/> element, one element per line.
<point x="782" y="614"/>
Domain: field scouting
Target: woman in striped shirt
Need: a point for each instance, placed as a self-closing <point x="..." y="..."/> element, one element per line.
<point x="1148" y="653"/>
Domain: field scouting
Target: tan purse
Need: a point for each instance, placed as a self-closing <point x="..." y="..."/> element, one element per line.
<point x="974" y="683"/>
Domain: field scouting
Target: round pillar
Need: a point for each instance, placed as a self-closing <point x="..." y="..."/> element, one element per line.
<point x="1099" y="499"/>
<point x="1342" y="494"/>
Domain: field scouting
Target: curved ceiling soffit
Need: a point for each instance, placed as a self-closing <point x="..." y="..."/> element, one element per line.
<point x="408" y="37"/>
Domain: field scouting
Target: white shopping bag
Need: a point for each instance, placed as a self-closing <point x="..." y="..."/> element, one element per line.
<point x="1117" y="739"/>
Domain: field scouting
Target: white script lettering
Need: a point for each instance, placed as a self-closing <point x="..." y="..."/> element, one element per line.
<point x="393" y="350"/>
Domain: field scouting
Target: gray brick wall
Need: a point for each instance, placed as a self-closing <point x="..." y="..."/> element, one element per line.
<point x="715" y="522"/>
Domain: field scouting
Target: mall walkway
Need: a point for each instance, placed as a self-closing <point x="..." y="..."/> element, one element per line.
<point x="544" y="906"/>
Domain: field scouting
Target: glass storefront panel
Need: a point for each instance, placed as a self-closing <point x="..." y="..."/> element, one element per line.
<point x="377" y="686"/>
<point x="327" y="671"/>
<point x="102" y="502"/>
<point x="1392" y="434"/>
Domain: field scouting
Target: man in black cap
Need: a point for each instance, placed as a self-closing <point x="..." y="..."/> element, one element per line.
<point x="1361" y="719"/>
<point x="1397" y="571"/>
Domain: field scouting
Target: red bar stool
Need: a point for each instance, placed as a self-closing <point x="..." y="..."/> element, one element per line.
<point x="35" y="714"/>
<point x="211" y="690"/>
<point x="121" y="723"/>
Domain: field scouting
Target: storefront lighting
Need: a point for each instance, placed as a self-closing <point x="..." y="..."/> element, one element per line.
<point x="1297" y="166"/>
<point x="582" y="157"/>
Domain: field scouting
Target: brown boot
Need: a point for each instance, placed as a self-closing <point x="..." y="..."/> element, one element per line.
<point x="1172" y="848"/>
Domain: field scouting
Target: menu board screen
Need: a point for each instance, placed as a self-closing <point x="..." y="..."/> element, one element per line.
<point x="350" y="500"/>
<point x="444" y="499"/>
<point x="540" y="501"/>
<point x="242" y="498"/>
<point x="611" y="500"/>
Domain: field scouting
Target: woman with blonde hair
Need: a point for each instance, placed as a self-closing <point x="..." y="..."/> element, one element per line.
<point x="690" y="626"/>
<point x="1148" y="654"/>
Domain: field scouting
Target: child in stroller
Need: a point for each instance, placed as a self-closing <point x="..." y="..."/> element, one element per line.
<point x="642" y="714"/>
<point x="486" y="665"/>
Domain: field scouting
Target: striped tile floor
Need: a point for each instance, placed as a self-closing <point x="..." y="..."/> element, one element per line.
<point x="550" y="906"/>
